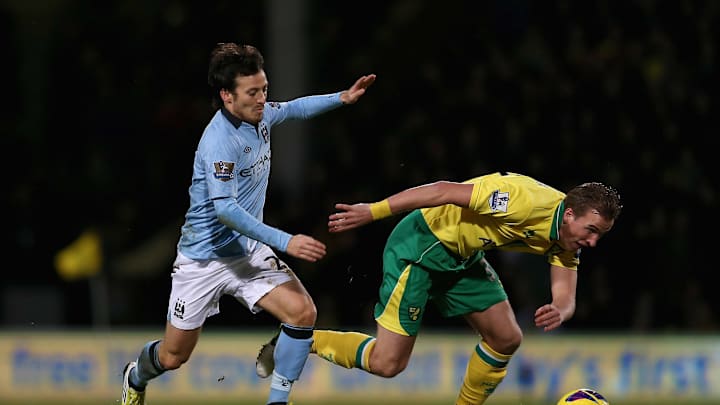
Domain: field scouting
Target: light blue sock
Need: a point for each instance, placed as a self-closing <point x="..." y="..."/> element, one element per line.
<point x="148" y="366"/>
<point x="291" y="353"/>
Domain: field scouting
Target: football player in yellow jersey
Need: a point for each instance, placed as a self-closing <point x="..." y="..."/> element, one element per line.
<point x="436" y="253"/>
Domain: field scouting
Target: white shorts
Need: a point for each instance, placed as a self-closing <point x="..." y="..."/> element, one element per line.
<point x="197" y="285"/>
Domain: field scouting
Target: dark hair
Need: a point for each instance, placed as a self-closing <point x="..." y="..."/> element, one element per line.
<point x="594" y="195"/>
<point x="227" y="61"/>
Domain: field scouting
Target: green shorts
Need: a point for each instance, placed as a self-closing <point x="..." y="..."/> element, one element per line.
<point x="417" y="267"/>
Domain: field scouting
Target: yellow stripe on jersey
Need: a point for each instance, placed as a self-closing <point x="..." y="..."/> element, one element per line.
<point x="508" y="211"/>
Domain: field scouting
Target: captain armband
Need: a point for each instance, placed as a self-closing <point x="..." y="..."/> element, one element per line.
<point x="380" y="209"/>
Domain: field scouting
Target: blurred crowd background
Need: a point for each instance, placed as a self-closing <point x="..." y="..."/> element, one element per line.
<point x="105" y="102"/>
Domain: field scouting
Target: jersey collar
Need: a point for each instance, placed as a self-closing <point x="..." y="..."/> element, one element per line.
<point x="557" y="221"/>
<point x="235" y="121"/>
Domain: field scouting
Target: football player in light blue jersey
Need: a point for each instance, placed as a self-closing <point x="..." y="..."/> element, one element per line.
<point x="225" y="248"/>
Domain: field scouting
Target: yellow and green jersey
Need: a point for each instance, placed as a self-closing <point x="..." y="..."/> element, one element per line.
<point x="508" y="211"/>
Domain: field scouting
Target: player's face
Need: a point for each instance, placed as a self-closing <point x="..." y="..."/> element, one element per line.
<point x="248" y="99"/>
<point x="584" y="231"/>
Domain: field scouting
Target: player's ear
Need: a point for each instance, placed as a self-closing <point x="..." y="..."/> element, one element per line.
<point x="225" y="95"/>
<point x="568" y="215"/>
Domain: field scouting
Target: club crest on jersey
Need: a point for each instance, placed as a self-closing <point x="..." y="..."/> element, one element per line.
<point x="264" y="132"/>
<point x="224" y="170"/>
<point x="179" y="311"/>
<point x="499" y="201"/>
<point x="414" y="313"/>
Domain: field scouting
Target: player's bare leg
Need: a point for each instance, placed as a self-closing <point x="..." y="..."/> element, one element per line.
<point x="391" y="353"/>
<point x="177" y="346"/>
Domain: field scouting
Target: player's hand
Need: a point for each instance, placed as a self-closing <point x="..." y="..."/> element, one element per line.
<point x="351" y="95"/>
<point x="349" y="217"/>
<point x="548" y="317"/>
<point x="306" y="248"/>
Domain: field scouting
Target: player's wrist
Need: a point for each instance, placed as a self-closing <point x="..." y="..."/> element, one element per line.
<point x="380" y="209"/>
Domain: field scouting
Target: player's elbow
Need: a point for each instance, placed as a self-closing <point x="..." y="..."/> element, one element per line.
<point x="441" y="187"/>
<point x="223" y="219"/>
<point x="448" y="192"/>
<point x="223" y="210"/>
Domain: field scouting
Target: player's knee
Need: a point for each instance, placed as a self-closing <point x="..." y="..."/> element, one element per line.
<point x="508" y="343"/>
<point x="512" y="344"/>
<point x="387" y="368"/>
<point x="303" y="314"/>
<point x="172" y="360"/>
<point x="309" y="315"/>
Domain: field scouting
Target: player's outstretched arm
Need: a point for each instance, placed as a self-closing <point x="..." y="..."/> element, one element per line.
<point x="353" y="94"/>
<point x="426" y="195"/>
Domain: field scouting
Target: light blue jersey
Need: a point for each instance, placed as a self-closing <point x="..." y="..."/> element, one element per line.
<point x="230" y="179"/>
